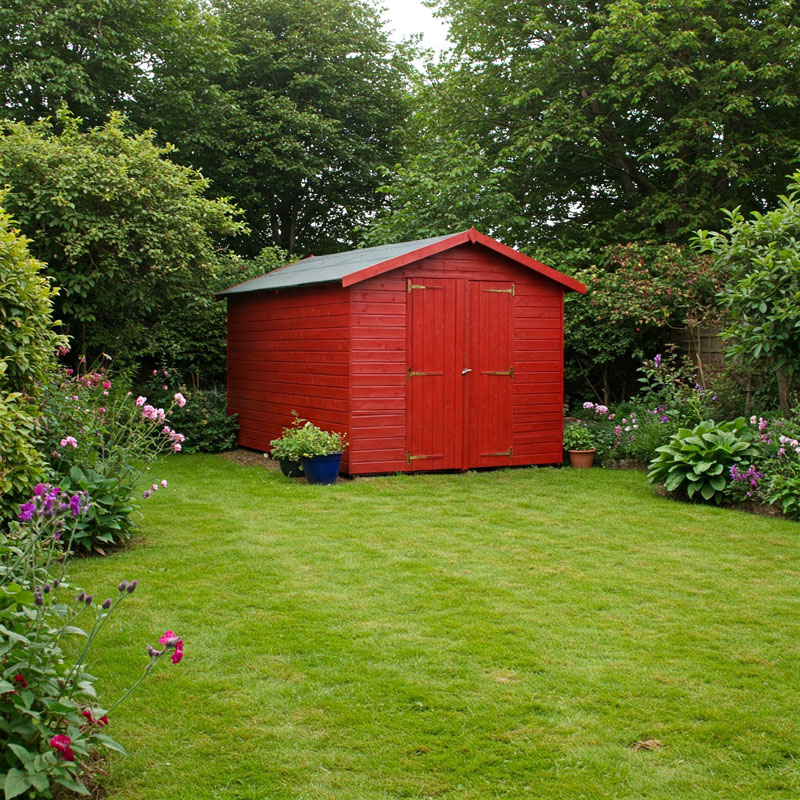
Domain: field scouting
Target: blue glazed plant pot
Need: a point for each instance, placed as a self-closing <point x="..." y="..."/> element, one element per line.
<point x="322" y="469"/>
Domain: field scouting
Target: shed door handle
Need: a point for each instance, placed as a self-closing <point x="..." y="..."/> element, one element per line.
<point x="465" y="371"/>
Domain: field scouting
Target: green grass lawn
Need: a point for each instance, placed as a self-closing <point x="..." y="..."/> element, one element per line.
<point x="505" y="634"/>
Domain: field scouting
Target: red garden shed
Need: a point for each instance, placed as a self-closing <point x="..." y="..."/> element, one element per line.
<point x="444" y="353"/>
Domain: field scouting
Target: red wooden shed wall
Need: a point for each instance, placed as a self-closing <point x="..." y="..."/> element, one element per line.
<point x="379" y="359"/>
<point x="289" y="350"/>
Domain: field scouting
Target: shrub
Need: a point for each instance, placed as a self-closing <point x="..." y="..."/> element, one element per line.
<point x="27" y="348"/>
<point x="50" y="716"/>
<point x="204" y="420"/>
<point x="699" y="460"/>
<point x="102" y="441"/>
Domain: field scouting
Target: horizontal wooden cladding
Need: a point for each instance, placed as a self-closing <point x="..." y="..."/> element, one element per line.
<point x="255" y="370"/>
<point x="377" y="420"/>
<point x="280" y="415"/>
<point x="246" y="359"/>
<point x="273" y="327"/>
<point x="368" y="336"/>
<point x="380" y="442"/>
<point x="360" y="466"/>
<point x="293" y="335"/>
<point x="268" y="312"/>
<point x="374" y="404"/>
<point x="373" y="368"/>
<point x="266" y="391"/>
<point x="287" y="400"/>
<point x="377" y="305"/>
<point x="369" y="355"/>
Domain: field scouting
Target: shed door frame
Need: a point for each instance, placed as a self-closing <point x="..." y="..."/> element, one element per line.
<point x="460" y="396"/>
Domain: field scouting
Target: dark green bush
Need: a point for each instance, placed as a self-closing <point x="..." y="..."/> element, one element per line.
<point x="27" y="348"/>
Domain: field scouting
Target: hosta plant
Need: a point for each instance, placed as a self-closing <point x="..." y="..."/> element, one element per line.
<point x="699" y="461"/>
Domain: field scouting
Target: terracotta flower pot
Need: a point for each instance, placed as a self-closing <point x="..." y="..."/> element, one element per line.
<point x="581" y="459"/>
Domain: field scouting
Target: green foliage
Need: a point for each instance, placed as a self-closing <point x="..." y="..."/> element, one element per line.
<point x="102" y="441"/>
<point x="578" y="437"/>
<point x="637" y="295"/>
<point x="621" y="120"/>
<point x="100" y="55"/>
<point x="21" y="463"/>
<point x="288" y="446"/>
<point x="762" y="256"/>
<point x="50" y="717"/>
<point x="445" y="187"/>
<point x="27" y="348"/>
<point x="311" y="95"/>
<point x="311" y="441"/>
<point x="699" y="460"/>
<point x="127" y="235"/>
<point x="204" y="420"/>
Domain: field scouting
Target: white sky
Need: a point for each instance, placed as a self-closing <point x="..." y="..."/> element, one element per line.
<point x="405" y="17"/>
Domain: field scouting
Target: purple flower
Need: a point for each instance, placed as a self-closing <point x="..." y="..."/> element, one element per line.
<point x="26" y="511"/>
<point x="657" y="361"/>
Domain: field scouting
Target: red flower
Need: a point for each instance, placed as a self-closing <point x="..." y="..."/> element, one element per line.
<point x="101" y="722"/>
<point x="20" y="679"/>
<point x="62" y="743"/>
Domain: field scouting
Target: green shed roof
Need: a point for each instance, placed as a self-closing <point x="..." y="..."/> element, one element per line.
<point x="357" y="265"/>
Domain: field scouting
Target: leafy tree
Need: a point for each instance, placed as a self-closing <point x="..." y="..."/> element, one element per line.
<point x="637" y="296"/>
<point x="762" y="256"/>
<point x="310" y="104"/>
<point x="625" y="120"/>
<point x="126" y="233"/>
<point x="445" y="187"/>
<point x="96" y="56"/>
<point x="28" y="343"/>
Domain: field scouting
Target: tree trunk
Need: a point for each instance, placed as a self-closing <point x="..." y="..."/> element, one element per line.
<point x="784" y="392"/>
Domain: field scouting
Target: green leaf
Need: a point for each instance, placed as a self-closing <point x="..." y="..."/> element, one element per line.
<point x="21" y="753"/>
<point x="16" y="783"/>
<point x="73" y="784"/>
<point x="110" y="743"/>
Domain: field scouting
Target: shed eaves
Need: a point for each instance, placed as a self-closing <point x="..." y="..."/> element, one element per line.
<point x="330" y="268"/>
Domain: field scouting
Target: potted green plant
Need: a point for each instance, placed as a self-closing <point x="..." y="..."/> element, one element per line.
<point x="320" y="453"/>
<point x="579" y="443"/>
<point x="286" y="448"/>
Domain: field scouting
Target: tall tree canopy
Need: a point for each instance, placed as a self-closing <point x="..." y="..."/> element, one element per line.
<point x="97" y="56"/>
<point x="290" y="106"/>
<point x="625" y="120"/>
<point x="299" y="123"/>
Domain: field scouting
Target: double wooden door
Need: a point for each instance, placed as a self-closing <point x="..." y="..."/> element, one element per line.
<point x="460" y="373"/>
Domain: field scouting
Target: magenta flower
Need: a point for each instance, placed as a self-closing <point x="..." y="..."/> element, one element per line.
<point x="164" y="483"/>
<point x="62" y="743"/>
<point x="172" y="640"/>
<point x="146" y="493"/>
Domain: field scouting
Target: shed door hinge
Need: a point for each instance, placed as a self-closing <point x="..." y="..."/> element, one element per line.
<point x="509" y="372"/>
<point x="508" y="454"/>
<point x="502" y="291"/>
<point x="420" y="286"/>
<point x="410" y="458"/>
<point x="421" y="374"/>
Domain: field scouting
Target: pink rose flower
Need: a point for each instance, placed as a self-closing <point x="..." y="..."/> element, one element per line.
<point x="180" y="400"/>
<point x="140" y="401"/>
